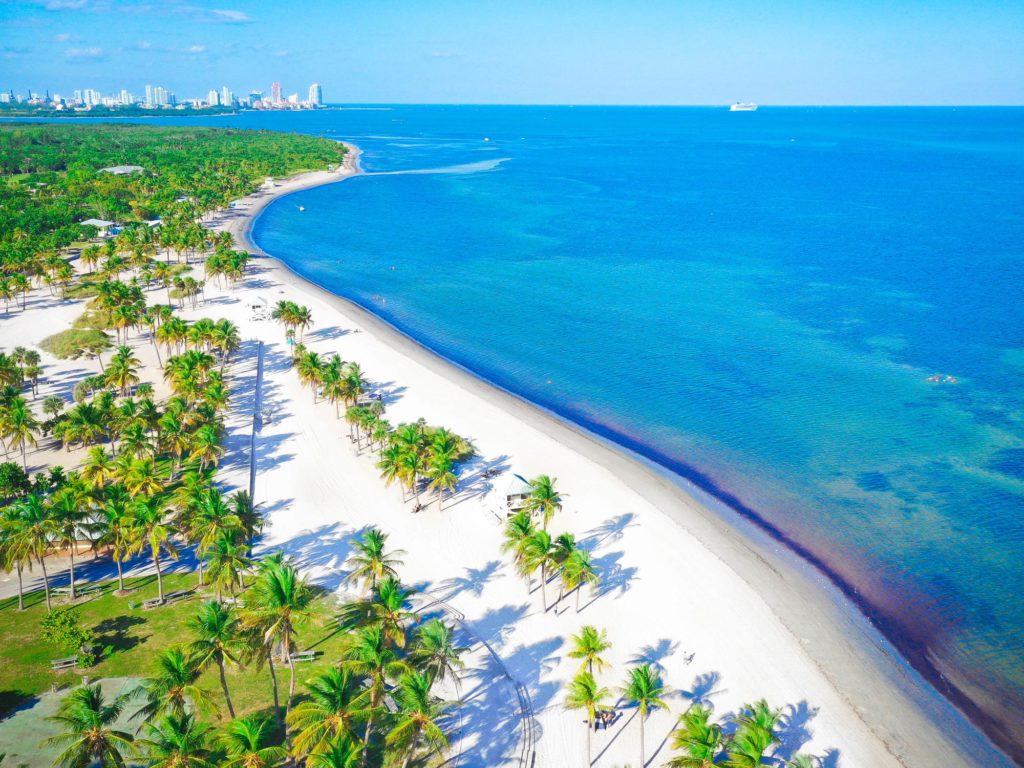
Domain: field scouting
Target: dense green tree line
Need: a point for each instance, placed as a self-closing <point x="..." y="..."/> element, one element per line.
<point x="52" y="178"/>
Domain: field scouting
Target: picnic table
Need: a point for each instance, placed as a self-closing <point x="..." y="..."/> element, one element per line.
<point x="65" y="663"/>
<point x="303" y="656"/>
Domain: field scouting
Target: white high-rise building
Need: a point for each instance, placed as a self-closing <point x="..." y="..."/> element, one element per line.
<point x="78" y="97"/>
<point x="92" y="97"/>
<point x="213" y="98"/>
<point x="293" y="99"/>
<point x="149" y="95"/>
<point x="226" y="97"/>
<point x="160" y="96"/>
<point x="316" y="95"/>
<point x="126" y="98"/>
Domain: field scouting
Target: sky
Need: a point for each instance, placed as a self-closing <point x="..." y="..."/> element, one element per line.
<point x="913" y="52"/>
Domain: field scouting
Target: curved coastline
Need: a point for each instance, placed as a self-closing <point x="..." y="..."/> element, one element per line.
<point x="918" y="724"/>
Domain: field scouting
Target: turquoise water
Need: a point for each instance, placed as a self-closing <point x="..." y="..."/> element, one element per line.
<point x="754" y="300"/>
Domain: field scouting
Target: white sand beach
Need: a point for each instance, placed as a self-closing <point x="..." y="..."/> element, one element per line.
<point x="727" y="613"/>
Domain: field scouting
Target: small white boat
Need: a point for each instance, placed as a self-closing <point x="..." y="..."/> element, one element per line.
<point x="302" y="208"/>
<point x="741" y="107"/>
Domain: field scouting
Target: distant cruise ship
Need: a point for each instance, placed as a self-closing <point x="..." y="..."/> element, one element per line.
<point x="738" y="107"/>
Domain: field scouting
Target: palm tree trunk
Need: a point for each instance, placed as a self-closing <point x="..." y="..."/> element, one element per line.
<point x="21" y="594"/>
<point x="224" y="685"/>
<point x="200" y="560"/>
<point x="590" y="729"/>
<point x="46" y="582"/>
<point x="544" y="588"/>
<point x="120" y="575"/>
<point x="273" y="679"/>
<point x="24" y="466"/>
<point x="291" y="683"/>
<point x="159" y="577"/>
<point x="643" y="762"/>
<point x="71" y="594"/>
<point x="412" y="750"/>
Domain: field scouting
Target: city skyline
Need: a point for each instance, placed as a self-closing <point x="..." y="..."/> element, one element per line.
<point x="154" y="96"/>
<point x="572" y="52"/>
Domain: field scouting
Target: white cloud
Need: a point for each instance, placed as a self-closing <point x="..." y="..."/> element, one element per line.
<point x="65" y="37"/>
<point x="92" y="52"/>
<point x="196" y="48"/>
<point x="281" y="52"/>
<point x="144" y="45"/>
<point x="230" y="16"/>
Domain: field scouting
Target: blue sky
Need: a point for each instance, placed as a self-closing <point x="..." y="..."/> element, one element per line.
<point x="528" y="51"/>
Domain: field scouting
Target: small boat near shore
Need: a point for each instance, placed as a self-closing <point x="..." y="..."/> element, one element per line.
<point x="741" y="107"/>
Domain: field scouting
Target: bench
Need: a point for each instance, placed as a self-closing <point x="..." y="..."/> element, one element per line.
<point x="180" y="594"/>
<point x="67" y="663"/>
<point x="85" y="589"/>
<point x="303" y="656"/>
<point x="153" y="602"/>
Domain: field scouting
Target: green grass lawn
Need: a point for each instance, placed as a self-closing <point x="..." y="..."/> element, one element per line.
<point x="134" y="637"/>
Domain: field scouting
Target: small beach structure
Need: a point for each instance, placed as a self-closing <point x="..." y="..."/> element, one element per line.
<point x="122" y="170"/>
<point x="102" y="225"/>
<point x="518" y="492"/>
<point x="259" y="308"/>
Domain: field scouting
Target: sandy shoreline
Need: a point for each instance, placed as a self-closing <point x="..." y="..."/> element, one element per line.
<point x="890" y="715"/>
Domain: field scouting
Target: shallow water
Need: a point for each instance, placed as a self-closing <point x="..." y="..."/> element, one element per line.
<point x="756" y="300"/>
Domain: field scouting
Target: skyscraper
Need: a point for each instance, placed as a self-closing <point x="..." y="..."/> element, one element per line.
<point x="214" y="98"/>
<point x="149" y="95"/>
<point x="226" y="97"/>
<point x="275" y="93"/>
<point x="316" y="95"/>
<point x="160" y="96"/>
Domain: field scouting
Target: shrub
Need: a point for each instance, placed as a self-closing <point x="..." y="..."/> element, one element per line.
<point x="61" y="628"/>
<point x="13" y="480"/>
<point x="73" y="343"/>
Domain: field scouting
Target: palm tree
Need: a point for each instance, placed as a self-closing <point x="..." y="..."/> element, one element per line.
<point x="218" y="642"/>
<point x="122" y="369"/>
<point x="577" y="570"/>
<point x="246" y="744"/>
<point x="417" y="718"/>
<point x="588" y="646"/>
<point x="18" y="426"/>
<point x="89" y="736"/>
<point x="375" y="658"/>
<point x="67" y="513"/>
<point x="441" y="473"/>
<point x="543" y="498"/>
<point x="228" y="564"/>
<point x="515" y="539"/>
<point x="153" y="530"/>
<point x="370" y="562"/>
<point x="98" y="469"/>
<point x="174" y="688"/>
<point x="585" y="694"/>
<point x="337" y="705"/>
<point x="412" y="465"/>
<point x="755" y="733"/>
<point x="14" y="553"/>
<point x="178" y="741"/>
<point x="390" y="466"/>
<point x="35" y="530"/>
<point x="341" y="753"/>
<point x="117" y="529"/>
<point x="208" y="521"/>
<point x="277" y="600"/>
<point x="248" y="513"/>
<point x="540" y="553"/>
<point x="644" y="688"/>
<point x="435" y="653"/>
<point x="697" y="738"/>
<point x="387" y="607"/>
<point x="206" y="446"/>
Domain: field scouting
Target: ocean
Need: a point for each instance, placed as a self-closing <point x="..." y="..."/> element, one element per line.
<point x="813" y="313"/>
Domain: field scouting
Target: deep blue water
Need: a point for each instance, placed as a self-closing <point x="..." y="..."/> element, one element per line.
<point x="755" y="300"/>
